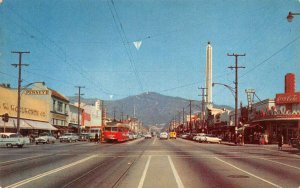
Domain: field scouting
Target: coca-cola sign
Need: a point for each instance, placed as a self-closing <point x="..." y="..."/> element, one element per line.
<point x="287" y="98"/>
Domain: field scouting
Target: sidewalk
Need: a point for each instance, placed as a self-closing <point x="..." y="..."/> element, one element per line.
<point x="269" y="146"/>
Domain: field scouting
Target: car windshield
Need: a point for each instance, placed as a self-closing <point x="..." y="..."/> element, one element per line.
<point x="15" y="136"/>
<point x="44" y="134"/>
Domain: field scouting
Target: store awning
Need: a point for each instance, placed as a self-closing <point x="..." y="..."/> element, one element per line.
<point x="40" y="125"/>
<point x="12" y="124"/>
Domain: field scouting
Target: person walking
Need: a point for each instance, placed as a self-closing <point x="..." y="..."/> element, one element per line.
<point x="280" y="142"/>
<point x="96" y="138"/>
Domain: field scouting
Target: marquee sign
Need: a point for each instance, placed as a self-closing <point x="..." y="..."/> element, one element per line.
<point x="286" y="98"/>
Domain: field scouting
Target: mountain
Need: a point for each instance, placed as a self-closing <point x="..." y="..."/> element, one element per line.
<point x="151" y="108"/>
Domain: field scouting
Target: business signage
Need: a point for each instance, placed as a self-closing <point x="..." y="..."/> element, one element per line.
<point x="30" y="108"/>
<point x="36" y="92"/>
<point x="286" y="98"/>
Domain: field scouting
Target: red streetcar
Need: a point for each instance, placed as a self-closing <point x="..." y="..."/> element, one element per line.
<point x="116" y="133"/>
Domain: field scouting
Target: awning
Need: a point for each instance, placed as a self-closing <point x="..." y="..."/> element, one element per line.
<point x="12" y="124"/>
<point x="40" y="125"/>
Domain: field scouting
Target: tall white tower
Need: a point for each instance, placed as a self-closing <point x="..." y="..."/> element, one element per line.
<point x="208" y="76"/>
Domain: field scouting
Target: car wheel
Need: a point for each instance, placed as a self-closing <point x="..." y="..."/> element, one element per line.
<point x="9" y="145"/>
<point x="20" y="146"/>
<point x="36" y="143"/>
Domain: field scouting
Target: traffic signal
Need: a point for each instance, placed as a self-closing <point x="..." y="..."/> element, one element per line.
<point x="5" y="117"/>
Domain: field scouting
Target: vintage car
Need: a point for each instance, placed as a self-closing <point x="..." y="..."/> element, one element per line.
<point x="163" y="135"/>
<point x="45" y="138"/>
<point x="172" y="135"/>
<point x="13" y="139"/>
<point x="212" y="139"/>
<point x="69" y="137"/>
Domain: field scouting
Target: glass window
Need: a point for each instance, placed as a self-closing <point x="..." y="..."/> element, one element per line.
<point x="59" y="106"/>
<point x="107" y="128"/>
<point x="114" y="129"/>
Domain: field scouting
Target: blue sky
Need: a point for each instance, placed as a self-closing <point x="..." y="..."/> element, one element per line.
<point x="89" y="43"/>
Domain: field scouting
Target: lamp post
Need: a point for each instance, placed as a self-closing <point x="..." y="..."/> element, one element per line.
<point x="234" y="93"/>
<point x="291" y="15"/>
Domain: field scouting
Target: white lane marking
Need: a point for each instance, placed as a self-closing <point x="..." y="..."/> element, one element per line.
<point x="154" y="140"/>
<point x="22" y="159"/>
<point x="279" y="163"/>
<point x="275" y="185"/>
<point x="20" y="183"/>
<point x="144" y="172"/>
<point x="177" y="178"/>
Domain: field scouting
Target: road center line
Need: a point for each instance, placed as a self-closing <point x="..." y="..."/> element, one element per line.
<point x="144" y="172"/>
<point x="154" y="140"/>
<point x="247" y="172"/>
<point x="177" y="178"/>
<point x="48" y="173"/>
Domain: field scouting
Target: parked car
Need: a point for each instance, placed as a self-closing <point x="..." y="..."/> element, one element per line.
<point x="163" y="135"/>
<point x="213" y="139"/>
<point x="130" y="136"/>
<point x="69" y="137"/>
<point x="84" y="137"/>
<point x="92" y="134"/>
<point x="45" y="138"/>
<point x="295" y="142"/>
<point x="13" y="139"/>
<point x="184" y="136"/>
<point x="201" y="137"/>
<point x="148" y="135"/>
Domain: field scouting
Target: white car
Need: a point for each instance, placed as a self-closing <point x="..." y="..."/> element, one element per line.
<point x="148" y="135"/>
<point x="163" y="135"/>
<point x="13" y="139"/>
<point x="45" y="138"/>
<point x="201" y="137"/>
<point x="69" y="137"/>
<point x="213" y="139"/>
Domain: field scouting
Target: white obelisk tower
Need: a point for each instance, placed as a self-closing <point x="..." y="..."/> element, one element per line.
<point x="208" y="76"/>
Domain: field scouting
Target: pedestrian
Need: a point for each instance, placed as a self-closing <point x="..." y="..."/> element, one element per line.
<point x="96" y="138"/>
<point x="280" y="142"/>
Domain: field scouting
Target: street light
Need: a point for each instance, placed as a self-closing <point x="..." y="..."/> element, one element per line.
<point x="291" y="16"/>
<point x="229" y="87"/>
<point x="234" y="93"/>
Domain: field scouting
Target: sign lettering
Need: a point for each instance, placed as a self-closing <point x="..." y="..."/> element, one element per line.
<point x="36" y="92"/>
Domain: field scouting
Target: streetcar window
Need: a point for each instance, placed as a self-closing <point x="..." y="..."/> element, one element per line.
<point x="107" y="128"/>
<point x="114" y="129"/>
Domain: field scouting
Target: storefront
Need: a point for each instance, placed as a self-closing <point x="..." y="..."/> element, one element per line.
<point x="273" y="118"/>
<point x="34" y="113"/>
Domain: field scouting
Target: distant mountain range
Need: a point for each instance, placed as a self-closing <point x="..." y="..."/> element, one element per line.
<point x="151" y="108"/>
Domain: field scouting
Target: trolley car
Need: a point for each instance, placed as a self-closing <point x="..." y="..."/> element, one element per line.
<point x="116" y="133"/>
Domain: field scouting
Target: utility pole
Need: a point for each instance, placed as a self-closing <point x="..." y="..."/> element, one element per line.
<point x="78" y="112"/>
<point x="202" y="105"/>
<point x="190" y="116"/>
<point x="19" y="84"/>
<point x="183" y="119"/>
<point x="236" y="67"/>
<point x="114" y="113"/>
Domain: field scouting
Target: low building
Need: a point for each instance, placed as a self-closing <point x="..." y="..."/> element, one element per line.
<point x="34" y="111"/>
<point x="279" y="116"/>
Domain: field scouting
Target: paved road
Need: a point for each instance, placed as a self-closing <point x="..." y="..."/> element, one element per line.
<point x="148" y="163"/>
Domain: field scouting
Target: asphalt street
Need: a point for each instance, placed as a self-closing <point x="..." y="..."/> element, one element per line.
<point x="149" y="163"/>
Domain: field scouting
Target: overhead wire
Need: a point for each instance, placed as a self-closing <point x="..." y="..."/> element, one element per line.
<point x="60" y="56"/>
